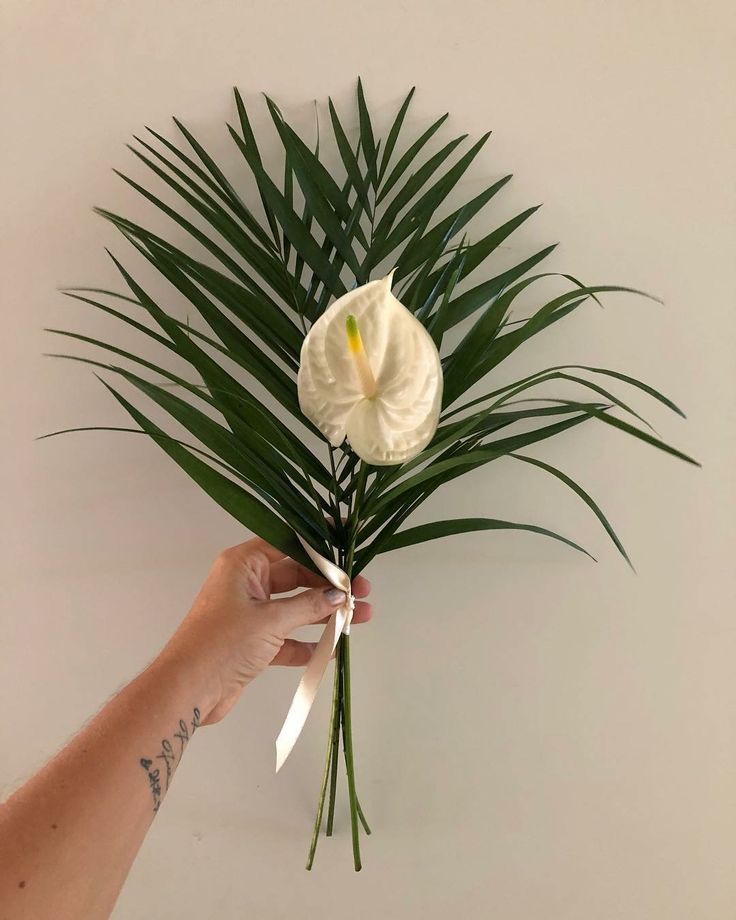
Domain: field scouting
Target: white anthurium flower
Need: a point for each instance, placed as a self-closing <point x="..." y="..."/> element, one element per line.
<point x="370" y="372"/>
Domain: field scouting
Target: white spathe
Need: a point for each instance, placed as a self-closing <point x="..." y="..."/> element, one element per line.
<point x="399" y="420"/>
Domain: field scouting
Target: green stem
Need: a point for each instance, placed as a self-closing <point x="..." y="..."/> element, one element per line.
<point x="355" y="515"/>
<point x="341" y="714"/>
<point x="332" y="757"/>
<point x="347" y="730"/>
<point x="361" y="816"/>
<point x="335" y="722"/>
<point x="344" y="660"/>
<point x="363" y="821"/>
<point x="334" y="498"/>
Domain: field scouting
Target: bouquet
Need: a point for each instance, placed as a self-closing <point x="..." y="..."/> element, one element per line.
<point x="336" y="291"/>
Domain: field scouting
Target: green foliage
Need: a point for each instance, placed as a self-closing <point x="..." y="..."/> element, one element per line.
<point x="266" y="279"/>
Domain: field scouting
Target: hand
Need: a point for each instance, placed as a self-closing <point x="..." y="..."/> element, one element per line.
<point x="235" y="630"/>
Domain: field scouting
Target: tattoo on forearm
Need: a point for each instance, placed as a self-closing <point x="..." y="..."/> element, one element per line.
<point x="168" y="755"/>
<point x="154" y="781"/>
<point x="182" y="734"/>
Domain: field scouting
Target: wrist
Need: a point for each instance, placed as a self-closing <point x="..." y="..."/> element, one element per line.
<point x="188" y="667"/>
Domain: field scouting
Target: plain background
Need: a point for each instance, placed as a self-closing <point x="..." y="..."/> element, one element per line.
<point x="537" y="735"/>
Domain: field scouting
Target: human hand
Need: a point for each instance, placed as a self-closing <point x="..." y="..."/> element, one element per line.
<point x="235" y="629"/>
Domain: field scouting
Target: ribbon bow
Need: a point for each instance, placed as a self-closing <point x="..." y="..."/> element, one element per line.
<point x="306" y="692"/>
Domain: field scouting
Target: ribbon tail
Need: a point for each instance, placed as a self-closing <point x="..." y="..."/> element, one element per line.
<point x="307" y="689"/>
<point x="306" y="692"/>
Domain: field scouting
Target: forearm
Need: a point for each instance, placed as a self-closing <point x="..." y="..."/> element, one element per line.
<point x="69" y="836"/>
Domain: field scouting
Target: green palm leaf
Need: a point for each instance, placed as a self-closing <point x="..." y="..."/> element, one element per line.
<point x="439" y="529"/>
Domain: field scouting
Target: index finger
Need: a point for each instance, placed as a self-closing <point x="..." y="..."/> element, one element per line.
<point x="287" y="574"/>
<point x="257" y="545"/>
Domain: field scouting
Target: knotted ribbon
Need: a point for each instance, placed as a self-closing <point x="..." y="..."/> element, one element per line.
<point x="306" y="692"/>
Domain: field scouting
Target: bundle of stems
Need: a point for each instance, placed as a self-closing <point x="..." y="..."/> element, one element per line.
<point x="341" y="720"/>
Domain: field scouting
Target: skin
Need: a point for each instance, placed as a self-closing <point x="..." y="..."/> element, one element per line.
<point x="66" y="846"/>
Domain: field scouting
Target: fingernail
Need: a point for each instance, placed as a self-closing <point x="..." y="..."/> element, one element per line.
<point x="335" y="596"/>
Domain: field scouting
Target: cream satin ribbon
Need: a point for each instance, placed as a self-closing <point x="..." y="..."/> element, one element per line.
<point x="338" y="623"/>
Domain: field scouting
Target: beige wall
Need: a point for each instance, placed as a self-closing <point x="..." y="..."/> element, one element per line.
<point x="538" y="736"/>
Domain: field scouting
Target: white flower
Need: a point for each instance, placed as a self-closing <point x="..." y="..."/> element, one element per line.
<point x="370" y="372"/>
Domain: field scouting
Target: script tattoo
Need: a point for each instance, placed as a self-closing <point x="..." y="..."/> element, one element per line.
<point x="182" y="734"/>
<point x="154" y="781"/>
<point x="169" y="756"/>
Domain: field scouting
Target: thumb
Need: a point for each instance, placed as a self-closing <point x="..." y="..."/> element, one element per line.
<point x="305" y="608"/>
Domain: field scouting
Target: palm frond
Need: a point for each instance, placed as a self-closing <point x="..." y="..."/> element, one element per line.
<point x="262" y="285"/>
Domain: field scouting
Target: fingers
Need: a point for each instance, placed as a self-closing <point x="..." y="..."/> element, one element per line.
<point x="286" y="574"/>
<point x="294" y="654"/>
<point x="361" y="586"/>
<point x="308" y="607"/>
<point x="361" y="614"/>
<point x="313" y="606"/>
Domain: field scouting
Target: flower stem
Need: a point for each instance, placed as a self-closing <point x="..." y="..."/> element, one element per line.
<point x="347" y="730"/>
<point x="332" y="756"/>
<point x="344" y="660"/>
<point x="341" y="712"/>
<point x="335" y="721"/>
<point x="363" y="821"/>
